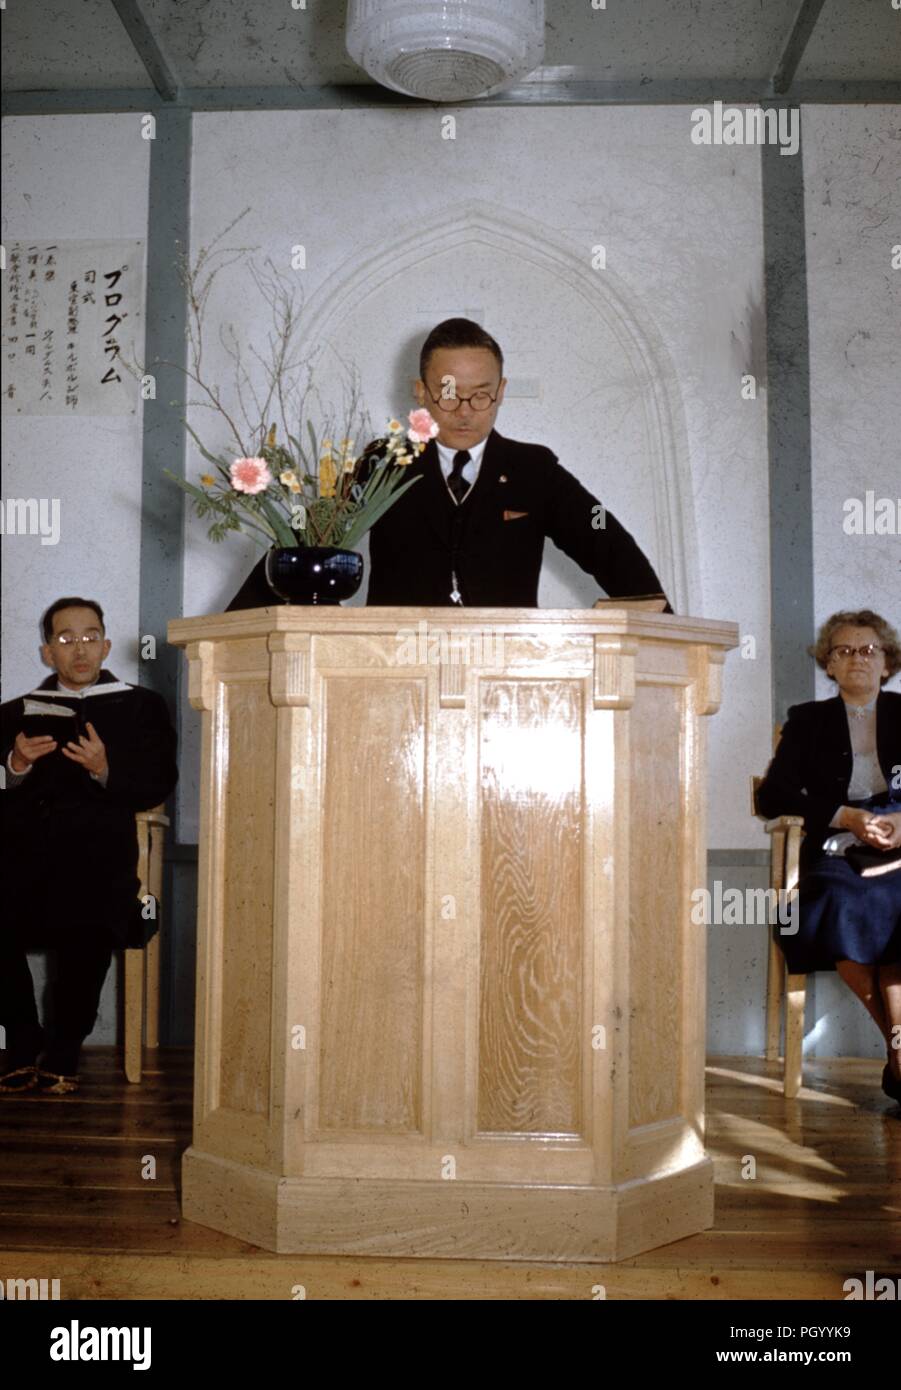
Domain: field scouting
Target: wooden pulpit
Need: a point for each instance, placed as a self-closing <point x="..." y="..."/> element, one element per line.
<point x="450" y="998"/>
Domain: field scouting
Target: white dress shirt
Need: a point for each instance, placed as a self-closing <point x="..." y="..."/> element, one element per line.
<point x="470" y="469"/>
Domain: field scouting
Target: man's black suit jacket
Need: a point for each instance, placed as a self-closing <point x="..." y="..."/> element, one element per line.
<point x="425" y="537"/>
<point x="811" y="768"/>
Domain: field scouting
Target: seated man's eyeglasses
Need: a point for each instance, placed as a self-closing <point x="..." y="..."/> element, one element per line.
<point x="65" y="639"/>
<point x="867" y="652"/>
<point x="480" y="400"/>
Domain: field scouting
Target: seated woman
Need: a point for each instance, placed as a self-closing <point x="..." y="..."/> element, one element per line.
<point x="838" y="764"/>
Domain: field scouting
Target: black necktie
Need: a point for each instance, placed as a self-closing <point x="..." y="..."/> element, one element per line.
<point x="456" y="482"/>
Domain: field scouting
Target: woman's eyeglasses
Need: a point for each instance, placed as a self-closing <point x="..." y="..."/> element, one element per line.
<point x="867" y="652"/>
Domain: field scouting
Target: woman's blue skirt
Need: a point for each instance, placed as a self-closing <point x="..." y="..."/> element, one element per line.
<point x="844" y="916"/>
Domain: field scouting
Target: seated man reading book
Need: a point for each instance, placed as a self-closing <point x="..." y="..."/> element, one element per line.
<point x="82" y="753"/>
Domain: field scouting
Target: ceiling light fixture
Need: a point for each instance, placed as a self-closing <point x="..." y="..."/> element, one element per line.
<point x="446" y="50"/>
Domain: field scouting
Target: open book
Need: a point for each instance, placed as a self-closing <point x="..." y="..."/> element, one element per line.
<point x="40" y="717"/>
<point x="650" y="603"/>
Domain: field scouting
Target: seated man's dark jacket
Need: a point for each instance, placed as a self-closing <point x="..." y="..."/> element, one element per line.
<point x="70" y="848"/>
<point x="425" y="537"/>
<point x="811" y="768"/>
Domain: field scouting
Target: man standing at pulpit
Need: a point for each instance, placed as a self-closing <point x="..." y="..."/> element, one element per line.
<point x="472" y="531"/>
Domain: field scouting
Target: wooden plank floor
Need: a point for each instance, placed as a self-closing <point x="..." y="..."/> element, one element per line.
<point x="824" y="1205"/>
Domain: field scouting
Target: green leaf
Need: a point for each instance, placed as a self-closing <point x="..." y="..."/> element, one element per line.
<point x="368" y="515"/>
<point x="197" y="493"/>
<point x="284" y="534"/>
<point x="211" y="458"/>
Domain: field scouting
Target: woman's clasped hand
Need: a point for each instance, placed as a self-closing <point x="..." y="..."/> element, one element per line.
<point x="880" y="831"/>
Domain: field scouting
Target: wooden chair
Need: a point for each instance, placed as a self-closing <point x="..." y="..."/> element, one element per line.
<point x="785" y="847"/>
<point x="142" y="988"/>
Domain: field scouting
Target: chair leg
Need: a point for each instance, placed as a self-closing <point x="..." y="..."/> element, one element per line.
<point x="795" y="999"/>
<point x="152" y="996"/>
<point x="134" y="1012"/>
<point x="775" y="992"/>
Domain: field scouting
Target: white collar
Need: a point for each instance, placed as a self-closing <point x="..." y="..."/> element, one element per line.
<point x="107" y="688"/>
<point x="860" y="711"/>
<point x="446" y="454"/>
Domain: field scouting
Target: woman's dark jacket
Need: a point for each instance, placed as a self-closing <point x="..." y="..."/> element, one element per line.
<point x="811" y="768"/>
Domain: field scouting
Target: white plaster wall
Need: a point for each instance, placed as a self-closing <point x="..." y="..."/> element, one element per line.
<point x="852" y="179"/>
<point x="74" y="178"/>
<point x="852" y="186"/>
<point x="681" y="226"/>
<point x="852" y="174"/>
<point x="682" y="230"/>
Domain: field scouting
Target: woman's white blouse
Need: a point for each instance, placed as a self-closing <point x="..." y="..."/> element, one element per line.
<point x="866" y="777"/>
<point x="866" y="774"/>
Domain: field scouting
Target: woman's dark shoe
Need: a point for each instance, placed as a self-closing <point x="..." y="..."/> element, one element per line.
<point x="890" y="1084"/>
<point x="21" y="1079"/>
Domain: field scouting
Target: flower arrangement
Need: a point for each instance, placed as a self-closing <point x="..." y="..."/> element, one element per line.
<point x="275" y="489"/>
<point x="280" y="496"/>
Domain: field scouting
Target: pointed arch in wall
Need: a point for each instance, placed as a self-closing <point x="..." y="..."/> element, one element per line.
<point x="625" y="314"/>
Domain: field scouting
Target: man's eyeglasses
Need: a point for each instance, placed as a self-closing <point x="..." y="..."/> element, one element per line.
<point x="867" y="652"/>
<point x="68" y="639"/>
<point x="480" y="400"/>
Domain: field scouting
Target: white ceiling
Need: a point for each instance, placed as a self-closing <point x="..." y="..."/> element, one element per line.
<point x="68" y="45"/>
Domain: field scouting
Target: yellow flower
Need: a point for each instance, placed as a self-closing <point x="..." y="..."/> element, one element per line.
<point x="394" y="426"/>
<point x="326" y="443"/>
<point x="270" y="438"/>
<point x="328" y="476"/>
<point x="207" y="479"/>
<point x="295" y="486"/>
<point x="288" y="477"/>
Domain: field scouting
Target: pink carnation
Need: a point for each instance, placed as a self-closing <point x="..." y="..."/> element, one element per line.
<point x="422" y="427"/>
<point x="250" y="475"/>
